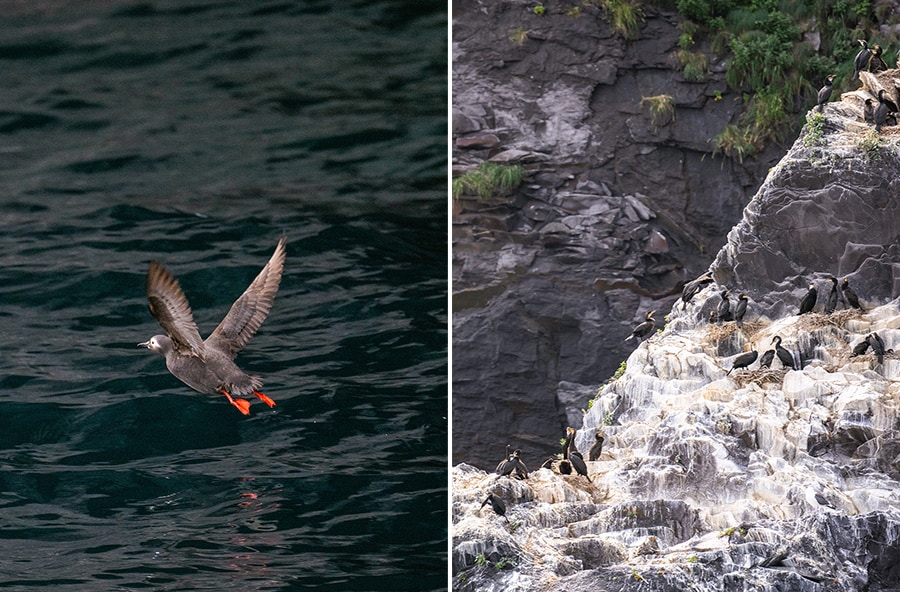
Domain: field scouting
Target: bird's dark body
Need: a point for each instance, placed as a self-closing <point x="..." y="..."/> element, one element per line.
<point x="743" y="360"/>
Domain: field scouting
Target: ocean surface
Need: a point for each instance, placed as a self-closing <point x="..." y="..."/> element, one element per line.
<point x="196" y="133"/>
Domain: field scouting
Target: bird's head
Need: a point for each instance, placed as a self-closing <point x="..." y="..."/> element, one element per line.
<point x="158" y="343"/>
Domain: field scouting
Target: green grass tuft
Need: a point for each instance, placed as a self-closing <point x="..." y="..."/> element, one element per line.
<point x="489" y="178"/>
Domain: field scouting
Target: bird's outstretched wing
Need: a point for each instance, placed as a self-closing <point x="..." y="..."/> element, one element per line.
<point x="170" y="307"/>
<point x="250" y="310"/>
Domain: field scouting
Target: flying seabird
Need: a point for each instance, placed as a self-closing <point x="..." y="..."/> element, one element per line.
<point x="207" y="366"/>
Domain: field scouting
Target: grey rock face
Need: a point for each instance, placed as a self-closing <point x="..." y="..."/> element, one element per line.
<point x="619" y="208"/>
<point x="765" y="479"/>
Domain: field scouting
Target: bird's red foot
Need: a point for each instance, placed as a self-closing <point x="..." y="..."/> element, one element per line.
<point x="264" y="398"/>
<point x="243" y="405"/>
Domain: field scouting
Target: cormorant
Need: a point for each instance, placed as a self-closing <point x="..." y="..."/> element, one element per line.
<point x="849" y="295"/>
<point x="565" y="467"/>
<point x="723" y="311"/>
<point x="825" y="91"/>
<point x="881" y="111"/>
<point x="869" y="111"/>
<point x="548" y="464"/>
<point x="787" y="359"/>
<point x="809" y="300"/>
<point x="513" y="463"/>
<point x="578" y="464"/>
<point x="743" y="360"/>
<point x="860" y="348"/>
<point x="877" y="346"/>
<point x="498" y="505"/>
<point x="832" y="298"/>
<point x="876" y="63"/>
<point x="862" y="58"/>
<point x="693" y="287"/>
<point x="596" y="447"/>
<point x="740" y="310"/>
<point x="766" y="360"/>
<point x="645" y="328"/>
<point x="506" y="457"/>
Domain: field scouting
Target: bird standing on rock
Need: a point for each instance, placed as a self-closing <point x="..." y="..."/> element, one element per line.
<point x="787" y="359"/>
<point x="876" y="63"/>
<point x="832" y="297"/>
<point x="877" y="346"/>
<point x="860" y="348"/>
<point x="861" y="62"/>
<point x="849" y="295"/>
<point x="645" y="328"/>
<point x="809" y="299"/>
<point x="513" y="463"/>
<point x="740" y="310"/>
<point x="497" y="504"/>
<point x="825" y="92"/>
<point x="579" y="465"/>
<point x="693" y="287"/>
<point x="743" y="360"/>
<point x="596" y="447"/>
<point x="207" y="366"/>
<point x="766" y="360"/>
<point x="723" y="311"/>
<point x="881" y="111"/>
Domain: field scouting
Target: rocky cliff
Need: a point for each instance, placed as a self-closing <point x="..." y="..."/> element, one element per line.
<point x="622" y="205"/>
<point x="754" y="479"/>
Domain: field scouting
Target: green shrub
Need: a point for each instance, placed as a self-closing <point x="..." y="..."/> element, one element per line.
<point x="623" y="16"/>
<point x="815" y="129"/>
<point x="662" y="108"/>
<point x="734" y="141"/>
<point x="489" y="178"/>
<point x="694" y="65"/>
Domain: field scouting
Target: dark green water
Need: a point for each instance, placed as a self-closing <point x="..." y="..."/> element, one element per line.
<point x="196" y="133"/>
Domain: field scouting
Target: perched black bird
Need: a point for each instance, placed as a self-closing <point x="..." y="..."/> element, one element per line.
<point x="743" y="360"/>
<point x="498" y="505"/>
<point x="876" y="63"/>
<point x="787" y="359"/>
<point x="693" y="287"/>
<point x="809" y="300"/>
<point x="548" y="464"/>
<point x="861" y="62"/>
<point x="579" y="465"/>
<point x="740" y="310"/>
<point x="832" y="298"/>
<point x="645" y="328"/>
<point x="596" y="447"/>
<point x="503" y="462"/>
<point x="564" y="467"/>
<point x="877" y="346"/>
<point x="881" y="111"/>
<point x="849" y="295"/>
<point x="513" y="463"/>
<point x="723" y="311"/>
<point x="869" y="111"/>
<point x="766" y="360"/>
<point x="825" y="91"/>
<point x="860" y="348"/>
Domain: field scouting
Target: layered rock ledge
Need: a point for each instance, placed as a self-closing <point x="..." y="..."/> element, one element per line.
<point x="761" y="479"/>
